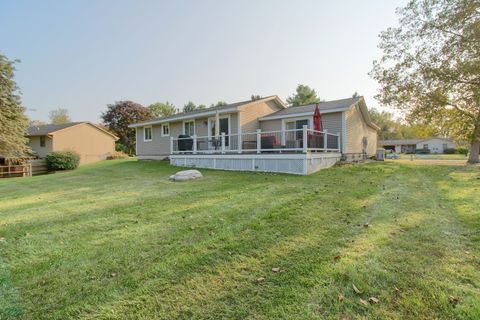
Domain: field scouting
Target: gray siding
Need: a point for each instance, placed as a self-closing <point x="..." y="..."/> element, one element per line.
<point x="330" y="121"/>
<point x="160" y="146"/>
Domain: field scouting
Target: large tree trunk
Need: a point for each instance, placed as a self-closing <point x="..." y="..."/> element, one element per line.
<point x="474" y="150"/>
<point x="475" y="146"/>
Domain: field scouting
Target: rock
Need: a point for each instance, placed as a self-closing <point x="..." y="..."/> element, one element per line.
<point x="186" y="175"/>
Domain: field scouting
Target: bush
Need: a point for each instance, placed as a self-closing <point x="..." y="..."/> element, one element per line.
<point x="121" y="147"/>
<point x="462" y="150"/>
<point x="422" y="151"/>
<point x="117" y="155"/>
<point x="449" y="151"/>
<point x="62" y="160"/>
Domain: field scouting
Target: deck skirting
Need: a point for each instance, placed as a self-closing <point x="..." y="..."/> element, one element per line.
<point x="294" y="163"/>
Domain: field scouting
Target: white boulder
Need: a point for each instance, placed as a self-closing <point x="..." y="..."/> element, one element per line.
<point x="186" y="175"/>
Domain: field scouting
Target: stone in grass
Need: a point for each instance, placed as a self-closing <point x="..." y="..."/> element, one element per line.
<point x="186" y="175"/>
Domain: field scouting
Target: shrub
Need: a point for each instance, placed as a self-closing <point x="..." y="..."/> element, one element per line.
<point x="117" y="155"/>
<point x="422" y="151"/>
<point x="461" y="150"/>
<point x="62" y="160"/>
<point x="449" y="151"/>
<point x="121" y="147"/>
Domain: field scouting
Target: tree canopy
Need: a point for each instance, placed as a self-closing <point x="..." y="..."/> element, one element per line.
<point x="160" y="109"/>
<point x="430" y="68"/>
<point x="255" y="97"/>
<point x="121" y="114"/>
<point x="13" y="122"/>
<point x="390" y="128"/>
<point x="189" y="107"/>
<point x="303" y="95"/>
<point x="59" y="116"/>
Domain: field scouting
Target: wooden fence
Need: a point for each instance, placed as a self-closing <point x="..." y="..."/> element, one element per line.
<point x="39" y="166"/>
<point x="16" y="170"/>
<point x="31" y="168"/>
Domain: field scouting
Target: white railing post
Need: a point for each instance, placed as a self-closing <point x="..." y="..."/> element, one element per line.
<point x="325" y="140"/>
<point x="338" y="141"/>
<point x="223" y="142"/>
<point x="305" y="139"/>
<point x="259" y="140"/>
<point x="194" y="144"/>
<point x="171" y="145"/>
<point x="239" y="142"/>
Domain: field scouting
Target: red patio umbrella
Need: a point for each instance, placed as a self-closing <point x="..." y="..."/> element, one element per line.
<point x="317" y="120"/>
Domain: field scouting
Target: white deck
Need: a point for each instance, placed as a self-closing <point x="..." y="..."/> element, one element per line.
<point x="293" y="163"/>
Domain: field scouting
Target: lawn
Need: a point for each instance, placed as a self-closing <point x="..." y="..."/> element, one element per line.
<point x="117" y="240"/>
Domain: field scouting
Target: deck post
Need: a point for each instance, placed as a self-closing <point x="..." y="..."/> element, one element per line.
<point x="325" y="140"/>
<point x="259" y="140"/>
<point x="223" y="142"/>
<point x="239" y="142"/>
<point x="171" y="145"/>
<point x="338" y="141"/>
<point x="305" y="139"/>
<point x="194" y="144"/>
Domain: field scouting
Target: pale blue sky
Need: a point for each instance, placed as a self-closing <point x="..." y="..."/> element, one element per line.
<point x="82" y="55"/>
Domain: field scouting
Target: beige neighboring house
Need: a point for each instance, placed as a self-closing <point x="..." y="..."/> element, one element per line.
<point x="92" y="142"/>
<point x="261" y="135"/>
<point x="429" y="145"/>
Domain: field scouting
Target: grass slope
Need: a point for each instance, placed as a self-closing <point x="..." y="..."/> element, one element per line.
<point x="117" y="240"/>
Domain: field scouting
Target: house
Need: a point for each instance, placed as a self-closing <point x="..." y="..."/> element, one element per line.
<point x="261" y="135"/>
<point x="428" y="145"/>
<point x="266" y="130"/>
<point x="90" y="141"/>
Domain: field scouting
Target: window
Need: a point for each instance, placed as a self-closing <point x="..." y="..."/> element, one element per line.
<point x="298" y="125"/>
<point x="425" y="147"/>
<point x="189" y="128"/>
<point x="165" y="130"/>
<point x="445" y="146"/>
<point x="42" y="141"/>
<point x="147" y="134"/>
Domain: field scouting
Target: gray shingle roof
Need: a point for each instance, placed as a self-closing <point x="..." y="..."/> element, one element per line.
<point x="49" y="128"/>
<point x="399" y="141"/>
<point x="323" y="106"/>
<point x="192" y="113"/>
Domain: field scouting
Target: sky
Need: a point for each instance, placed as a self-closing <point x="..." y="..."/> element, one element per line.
<point x="83" y="55"/>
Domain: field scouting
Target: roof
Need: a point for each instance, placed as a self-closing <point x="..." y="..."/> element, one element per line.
<point x="398" y="141"/>
<point x="408" y="141"/>
<point x="325" y="107"/>
<point x="47" y="129"/>
<point x="231" y="107"/>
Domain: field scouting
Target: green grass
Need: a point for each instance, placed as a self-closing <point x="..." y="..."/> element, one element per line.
<point x="434" y="156"/>
<point x="117" y="240"/>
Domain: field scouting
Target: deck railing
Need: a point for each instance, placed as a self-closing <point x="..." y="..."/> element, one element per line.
<point x="283" y="141"/>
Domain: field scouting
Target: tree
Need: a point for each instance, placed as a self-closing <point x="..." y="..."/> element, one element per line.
<point x="13" y="122"/>
<point x="59" y="116"/>
<point x="304" y="95"/>
<point x="218" y="104"/>
<point x="201" y="107"/>
<point x="160" y="109"/>
<point x="355" y="95"/>
<point x="431" y="65"/>
<point x="189" y="107"/>
<point x="255" y="97"/>
<point x="121" y="114"/>
<point x="33" y="123"/>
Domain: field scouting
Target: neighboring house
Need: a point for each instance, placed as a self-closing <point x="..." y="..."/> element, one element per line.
<point x="431" y="145"/>
<point x="261" y="135"/>
<point x="91" y="142"/>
